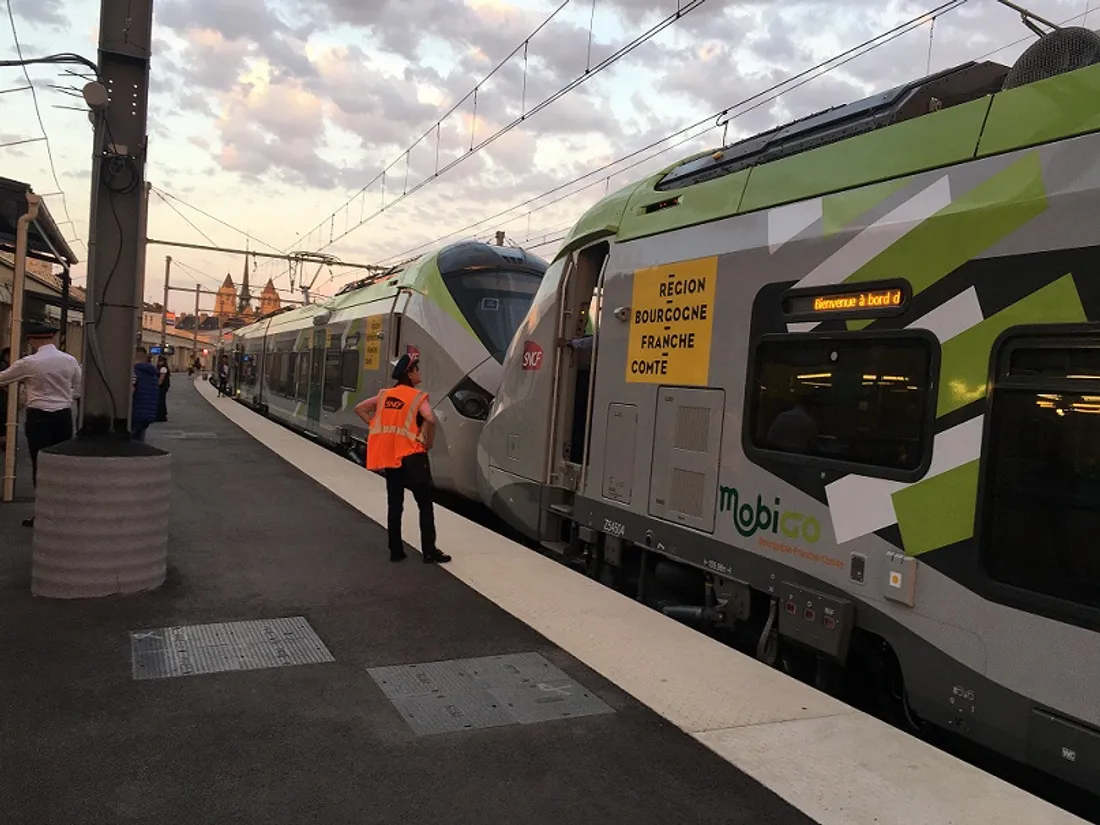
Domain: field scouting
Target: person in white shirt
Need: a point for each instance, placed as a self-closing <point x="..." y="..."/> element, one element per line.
<point x="53" y="381"/>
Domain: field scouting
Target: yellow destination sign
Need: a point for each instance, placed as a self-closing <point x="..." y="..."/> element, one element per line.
<point x="671" y="317"/>
<point x="372" y="347"/>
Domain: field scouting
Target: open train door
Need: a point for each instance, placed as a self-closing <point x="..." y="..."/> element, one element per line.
<point x="574" y="382"/>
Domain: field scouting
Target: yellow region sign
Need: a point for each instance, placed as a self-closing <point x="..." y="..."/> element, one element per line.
<point x="671" y="317"/>
<point x="372" y="347"/>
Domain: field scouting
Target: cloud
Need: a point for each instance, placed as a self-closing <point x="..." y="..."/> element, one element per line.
<point x="256" y="104"/>
<point x="46" y="12"/>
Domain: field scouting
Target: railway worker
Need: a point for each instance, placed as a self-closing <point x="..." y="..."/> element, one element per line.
<point x="53" y="379"/>
<point x="402" y="429"/>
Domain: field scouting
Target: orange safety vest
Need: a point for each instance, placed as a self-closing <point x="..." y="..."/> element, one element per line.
<point x="394" y="432"/>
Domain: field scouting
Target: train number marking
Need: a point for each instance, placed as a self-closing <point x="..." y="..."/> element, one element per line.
<point x="717" y="567"/>
<point x="614" y="528"/>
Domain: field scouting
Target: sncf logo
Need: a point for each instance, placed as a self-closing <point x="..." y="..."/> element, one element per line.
<point x="532" y="356"/>
<point x="394" y="404"/>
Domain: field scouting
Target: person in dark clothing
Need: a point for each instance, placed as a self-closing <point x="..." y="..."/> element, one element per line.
<point x="164" y="379"/>
<point x="144" y="409"/>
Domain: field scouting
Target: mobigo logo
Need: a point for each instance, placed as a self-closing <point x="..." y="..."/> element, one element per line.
<point x="532" y="355"/>
<point x="748" y="520"/>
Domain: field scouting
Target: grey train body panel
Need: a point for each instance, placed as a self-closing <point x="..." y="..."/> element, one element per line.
<point x="974" y="660"/>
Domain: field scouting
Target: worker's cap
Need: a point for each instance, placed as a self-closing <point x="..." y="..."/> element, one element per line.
<point x="39" y="329"/>
<point x="402" y="365"/>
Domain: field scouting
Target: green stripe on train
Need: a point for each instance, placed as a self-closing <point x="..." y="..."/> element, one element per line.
<point x="963" y="229"/>
<point x="839" y="210"/>
<point x="964" y="365"/>
<point x="939" y="511"/>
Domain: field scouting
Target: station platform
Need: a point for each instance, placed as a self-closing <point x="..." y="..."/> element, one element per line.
<point x="288" y="672"/>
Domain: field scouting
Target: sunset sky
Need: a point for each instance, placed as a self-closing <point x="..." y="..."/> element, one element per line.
<point x="271" y="116"/>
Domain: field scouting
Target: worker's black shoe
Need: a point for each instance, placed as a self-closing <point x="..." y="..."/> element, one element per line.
<point x="28" y="522"/>
<point x="436" y="558"/>
<point x="398" y="555"/>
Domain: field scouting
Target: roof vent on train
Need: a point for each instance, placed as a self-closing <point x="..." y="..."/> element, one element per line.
<point x="1055" y="53"/>
<point x="322" y="318"/>
<point x="941" y="90"/>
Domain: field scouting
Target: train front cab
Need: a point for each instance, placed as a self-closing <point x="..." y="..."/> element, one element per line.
<point x="492" y="288"/>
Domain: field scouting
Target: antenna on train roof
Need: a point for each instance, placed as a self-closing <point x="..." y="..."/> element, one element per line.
<point x="1028" y="17"/>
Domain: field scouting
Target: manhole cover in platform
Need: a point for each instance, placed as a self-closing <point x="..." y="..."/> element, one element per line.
<point x="216" y="648"/>
<point x="465" y="694"/>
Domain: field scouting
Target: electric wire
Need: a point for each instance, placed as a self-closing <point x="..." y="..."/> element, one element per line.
<point x="656" y="29"/>
<point x="759" y="99"/>
<point x="405" y="154"/>
<point x="23" y="63"/>
<point x="166" y="195"/>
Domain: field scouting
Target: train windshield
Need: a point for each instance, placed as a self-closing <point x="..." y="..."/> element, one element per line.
<point x="494" y="304"/>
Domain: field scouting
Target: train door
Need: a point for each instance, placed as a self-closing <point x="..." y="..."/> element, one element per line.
<point x="316" y="367"/>
<point x="575" y="365"/>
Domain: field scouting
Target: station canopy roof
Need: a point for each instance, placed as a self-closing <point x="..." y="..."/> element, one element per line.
<point x="44" y="240"/>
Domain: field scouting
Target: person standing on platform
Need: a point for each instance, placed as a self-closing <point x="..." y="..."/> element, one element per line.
<point x="143" y="411"/>
<point x="402" y="431"/>
<point x="53" y="380"/>
<point x="164" y="383"/>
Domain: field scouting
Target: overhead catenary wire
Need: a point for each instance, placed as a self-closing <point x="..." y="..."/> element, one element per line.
<point x="164" y="195"/>
<point x="757" y="100"/>
<point x="435" y="126"/>
<point x="23" y="63"/>
<point x="687" y="8"/>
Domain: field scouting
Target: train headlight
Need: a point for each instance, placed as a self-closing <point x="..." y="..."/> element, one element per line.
<point x="471" y="401"/>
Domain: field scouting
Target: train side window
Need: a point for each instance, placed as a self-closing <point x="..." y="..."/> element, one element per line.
<point x="290" y="375"/>
<point x="857" y="401"/>
<point x="1041" y="509"/>
<point x="302" y="388"/>
<point x="349" y="370"/>
<point x="332" y="393"/>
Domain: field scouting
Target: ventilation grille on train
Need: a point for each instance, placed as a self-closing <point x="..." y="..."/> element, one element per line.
<point x="1063" y="50"/>
<point x="692" y="429"/>
<point x="686" y="495"/>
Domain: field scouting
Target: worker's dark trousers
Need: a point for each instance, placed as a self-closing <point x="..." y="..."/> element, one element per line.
<point x="44" y="429"/>
<point x="415" y="474"/>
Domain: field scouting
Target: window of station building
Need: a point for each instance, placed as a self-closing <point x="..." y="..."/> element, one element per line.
<point x="854" y="399"/>
<point x="1041" y="509"/>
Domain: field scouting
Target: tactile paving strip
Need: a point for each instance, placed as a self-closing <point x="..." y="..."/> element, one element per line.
<point x="216" y="648"/>
<point x="468" y="694"/>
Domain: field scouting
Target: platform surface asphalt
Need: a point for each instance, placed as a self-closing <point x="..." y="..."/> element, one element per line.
<point x="253" y="538"/>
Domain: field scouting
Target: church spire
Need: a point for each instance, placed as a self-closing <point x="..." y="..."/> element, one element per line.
<point x="245" y="301"/>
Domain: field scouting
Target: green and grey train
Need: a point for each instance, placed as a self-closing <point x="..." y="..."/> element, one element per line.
<point x="843" y="399"/>
<point x="458" y="308"/>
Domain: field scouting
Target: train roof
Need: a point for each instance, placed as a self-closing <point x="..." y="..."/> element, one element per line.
<point x="416" y="274"/>
<point x="964" y="113"/>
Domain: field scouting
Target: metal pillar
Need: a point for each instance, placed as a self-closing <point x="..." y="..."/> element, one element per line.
<point x="164" y="309"/>
<point x="195" y="333"/>
<point x="94" y="489"/>
<point x="11" y="413"/>
<point x="117" y="213"/>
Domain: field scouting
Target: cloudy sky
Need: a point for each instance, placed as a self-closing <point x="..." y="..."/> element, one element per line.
<point x="272" y="115"/>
